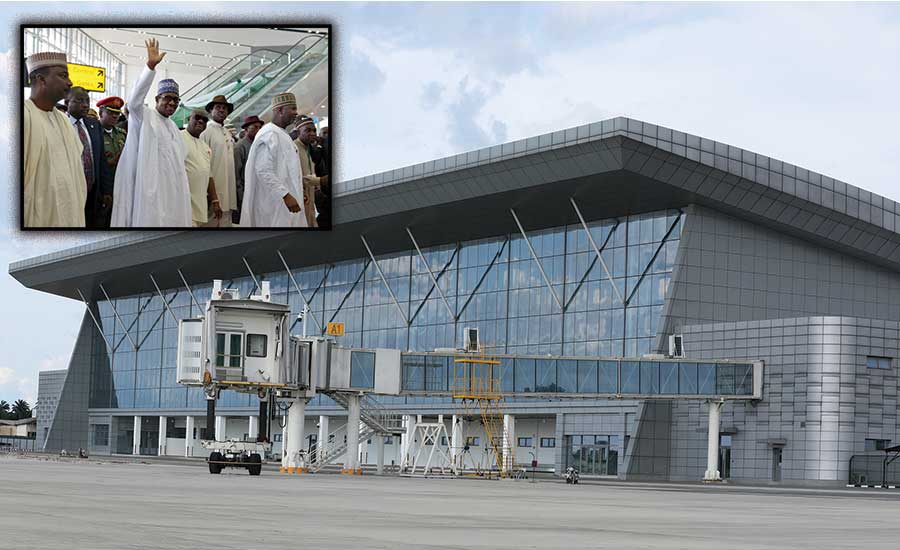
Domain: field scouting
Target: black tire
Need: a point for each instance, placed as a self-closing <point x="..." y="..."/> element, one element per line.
<point x="255" y="467"/>
<point x="215" y="468"/>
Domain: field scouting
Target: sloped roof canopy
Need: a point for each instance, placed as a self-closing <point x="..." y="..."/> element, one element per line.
<point x="612" y="168"/>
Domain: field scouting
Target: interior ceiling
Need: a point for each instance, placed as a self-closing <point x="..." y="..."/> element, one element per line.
<point x="192" y="48"/>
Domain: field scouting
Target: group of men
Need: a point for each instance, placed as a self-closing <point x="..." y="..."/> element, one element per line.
<point x="81" y="172"/>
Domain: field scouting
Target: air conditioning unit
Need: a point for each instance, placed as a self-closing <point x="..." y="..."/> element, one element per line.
<point x="470" y="337"/>
<point x="676" y="345"/>
<point x="220" y="293"/>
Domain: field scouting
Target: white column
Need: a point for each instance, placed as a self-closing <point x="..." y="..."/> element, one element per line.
<point x="351" y="462"/>
<point x="509" y="440"/>
<point x="221" y="423"/>
<point x="136" y="439"/>
<point x="253" y="428"/>
<point x="379" y="449"/>
<point x="363" y="446"/>
<point x="322" y="441"/>
<point x="456" y="440"/>
<point x="295" y="425"/>
<point x="161" y="447"/>
<point x="189" y="436"/>
<point x="407" y="441"/>
<point x="712" y="449"/>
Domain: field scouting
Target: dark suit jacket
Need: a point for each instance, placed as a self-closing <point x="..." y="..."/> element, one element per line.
<point x="95" y="215"/>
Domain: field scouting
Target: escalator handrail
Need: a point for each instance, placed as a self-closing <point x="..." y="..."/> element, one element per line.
<point x="250" y="100"/>
<point x="302" y="55"/>
<point x="219" y="77"/>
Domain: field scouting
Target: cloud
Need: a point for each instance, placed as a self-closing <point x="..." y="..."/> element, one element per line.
<point x="465" y="114"/>
<point x="6" y="374"/>
<point x="366" y="76"/>
<point x="431" y="94"/>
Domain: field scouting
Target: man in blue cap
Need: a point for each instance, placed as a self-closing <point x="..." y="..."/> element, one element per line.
<point x="151" y="187"/>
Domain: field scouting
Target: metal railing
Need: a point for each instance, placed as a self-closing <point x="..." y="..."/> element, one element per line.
<point x="17" y="443"/>
<point x="878" y="468"/>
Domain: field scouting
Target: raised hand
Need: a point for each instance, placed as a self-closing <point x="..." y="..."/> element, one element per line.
<point x="153" y="55"/>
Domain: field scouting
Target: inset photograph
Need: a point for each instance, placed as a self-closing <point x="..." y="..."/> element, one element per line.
<point x="176" y="127"/>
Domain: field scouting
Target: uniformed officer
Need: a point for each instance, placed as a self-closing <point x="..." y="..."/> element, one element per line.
<point x="113" y="144"/>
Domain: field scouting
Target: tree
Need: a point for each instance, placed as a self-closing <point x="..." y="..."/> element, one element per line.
<point x="4" y="410"/>
<point x="21" y="409"/>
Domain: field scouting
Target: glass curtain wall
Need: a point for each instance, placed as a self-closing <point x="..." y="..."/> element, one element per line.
<point x="493" y="284"/>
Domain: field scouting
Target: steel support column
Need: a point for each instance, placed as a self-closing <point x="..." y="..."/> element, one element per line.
<point x="537" y="261"/>
<point x="431" y="274"/>
<point x="384" y="280"/>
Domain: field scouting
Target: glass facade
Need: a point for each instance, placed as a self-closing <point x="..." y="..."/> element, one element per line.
<point x="493" y="284"/>
<point x="564" y="375"/>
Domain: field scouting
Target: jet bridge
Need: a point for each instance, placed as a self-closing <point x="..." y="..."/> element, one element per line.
<point x="244" y="345"/>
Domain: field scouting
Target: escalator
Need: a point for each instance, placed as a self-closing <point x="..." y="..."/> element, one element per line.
<point x="242" y="78"/>
<point x="301" y="71"/>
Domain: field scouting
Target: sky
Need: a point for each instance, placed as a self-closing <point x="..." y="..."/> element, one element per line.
<point x="812" y="84"/>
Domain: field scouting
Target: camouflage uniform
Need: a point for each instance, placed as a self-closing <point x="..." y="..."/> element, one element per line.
<point x="113" y="145"/>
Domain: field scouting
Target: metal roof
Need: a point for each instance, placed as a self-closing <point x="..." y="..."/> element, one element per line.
<point x="612" y="168"/>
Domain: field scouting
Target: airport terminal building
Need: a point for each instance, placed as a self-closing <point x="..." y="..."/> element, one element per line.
<point x="601" y="241"/>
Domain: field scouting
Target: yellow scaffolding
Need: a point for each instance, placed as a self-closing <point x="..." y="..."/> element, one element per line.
<point x="476" y="382"/>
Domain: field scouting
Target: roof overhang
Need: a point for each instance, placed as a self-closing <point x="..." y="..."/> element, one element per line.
<point x="614" y="173"/>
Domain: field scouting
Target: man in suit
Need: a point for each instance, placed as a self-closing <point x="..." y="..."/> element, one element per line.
<point x="96" y="173"/>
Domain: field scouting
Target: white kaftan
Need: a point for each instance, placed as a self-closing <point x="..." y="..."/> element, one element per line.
<point x="54" y="190"/>
<point x="272" y="172"/>
<point x="151" y="188"/>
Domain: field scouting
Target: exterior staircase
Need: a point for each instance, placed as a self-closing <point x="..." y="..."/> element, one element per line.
<point x="375" y="420"/>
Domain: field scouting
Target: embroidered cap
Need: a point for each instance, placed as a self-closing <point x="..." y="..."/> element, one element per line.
<point x="167" y="86"/>
<point x="45" y="59"/>
<point x="281" y="100"/>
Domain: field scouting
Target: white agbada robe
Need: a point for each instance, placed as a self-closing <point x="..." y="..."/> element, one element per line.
<point x="272" y="172"/>
<point x="222" y="146"/>
<point x="151" y="188"/>
<point x="54" y="190"/>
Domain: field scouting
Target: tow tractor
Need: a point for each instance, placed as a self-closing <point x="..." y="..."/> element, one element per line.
<point x="236" y="454"/>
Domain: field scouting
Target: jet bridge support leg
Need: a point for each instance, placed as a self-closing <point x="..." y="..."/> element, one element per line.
<point x="351" y="462"/>
<point x="296" y="422"/>
<point x="712" y="452"/>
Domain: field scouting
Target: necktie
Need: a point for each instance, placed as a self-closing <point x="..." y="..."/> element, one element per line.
<point x="86" y="159"/>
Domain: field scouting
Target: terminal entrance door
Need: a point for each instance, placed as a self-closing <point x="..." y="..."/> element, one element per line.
<point x="591" y="455"/>
<point x="776" y="463"/>
<point x="725" y="456"/>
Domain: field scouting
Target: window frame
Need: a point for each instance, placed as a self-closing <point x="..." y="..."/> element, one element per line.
<point x="265" y="347"/>
<point x="880" y="362"/>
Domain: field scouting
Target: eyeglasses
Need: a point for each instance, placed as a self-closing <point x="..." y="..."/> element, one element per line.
<point x="171" y="99"/>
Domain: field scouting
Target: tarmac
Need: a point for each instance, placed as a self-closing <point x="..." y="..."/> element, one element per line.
<point x="119" y="504"/>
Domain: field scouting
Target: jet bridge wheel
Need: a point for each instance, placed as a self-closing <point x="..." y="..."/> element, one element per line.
<point x="255" y="466"/>
<point x="215" y="457"/>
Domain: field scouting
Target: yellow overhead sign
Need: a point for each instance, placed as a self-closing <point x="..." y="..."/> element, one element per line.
<point x="92" y="79"/>
<point x="335" y="329"/>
